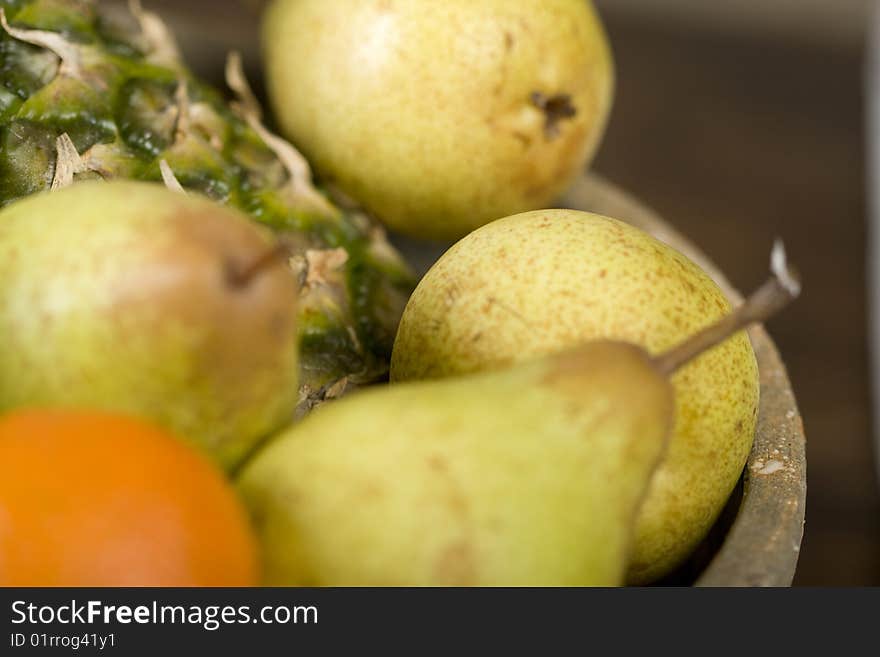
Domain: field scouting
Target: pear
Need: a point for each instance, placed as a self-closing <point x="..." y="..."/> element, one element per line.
<point x="545" y="281"/>
<point x="441" y="116"/>
<point x="527" y="476"/>
<point x="129" y="297"/>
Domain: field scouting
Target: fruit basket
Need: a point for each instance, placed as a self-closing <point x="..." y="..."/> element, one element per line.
<point x="757" y="538"/>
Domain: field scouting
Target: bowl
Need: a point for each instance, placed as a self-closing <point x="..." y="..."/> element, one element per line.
<point x="757" y="537"/>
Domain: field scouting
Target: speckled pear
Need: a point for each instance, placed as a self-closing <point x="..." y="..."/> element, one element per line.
<point x="441" y="116"/>
<point x="544" y="281"/>
<point x="128" y="297"/>
<point x="527" y="477"/>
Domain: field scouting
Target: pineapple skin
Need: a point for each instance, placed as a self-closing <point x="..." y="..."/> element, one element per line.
<point x="126" y="101"/>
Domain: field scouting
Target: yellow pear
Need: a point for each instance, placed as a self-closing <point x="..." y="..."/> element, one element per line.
<point x="541" y="282"/>
<point x="526" y="477"/>
<point x="441" y="116"/>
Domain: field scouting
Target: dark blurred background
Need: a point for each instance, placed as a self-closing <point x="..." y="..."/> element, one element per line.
<point x="739" y="121"/>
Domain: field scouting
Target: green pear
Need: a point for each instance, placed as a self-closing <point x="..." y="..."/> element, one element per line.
<point x="526" y="477"/>
<point x="441" y="116"/>
<point x="545" y="281"/>
<point x="531" y="475"/>
<point x="129" y="297"/>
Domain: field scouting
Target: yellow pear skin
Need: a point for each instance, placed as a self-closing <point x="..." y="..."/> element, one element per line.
<point x="531" y="476"/>
<point x="543" y="281"/>
<point x="117" y="296"/>
<point x="441" y="116"/>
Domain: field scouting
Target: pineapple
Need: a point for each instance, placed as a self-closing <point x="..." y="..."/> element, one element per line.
<point x="87" y="91"/>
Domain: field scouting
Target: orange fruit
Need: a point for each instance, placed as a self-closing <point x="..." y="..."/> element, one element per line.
<point x="92" y="499"/>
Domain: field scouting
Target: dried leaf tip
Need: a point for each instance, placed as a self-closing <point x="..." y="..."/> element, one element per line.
<point x="169" y="178"/>
<point x="182" y="107"/>
<point x="238" y="82"/>
<point x="66" y="51"/>
<point x="302" y="190"/>
<point x="68" y="163"/>
<point x="159" y="38"/>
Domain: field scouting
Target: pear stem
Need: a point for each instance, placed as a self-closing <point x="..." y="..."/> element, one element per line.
<point x="242" y="277"/>
<point x="782" y="288"/>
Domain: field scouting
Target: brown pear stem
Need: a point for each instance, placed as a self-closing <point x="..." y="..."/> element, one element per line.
<point x="782" y="288"/>
<point x="242" y="277"/>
